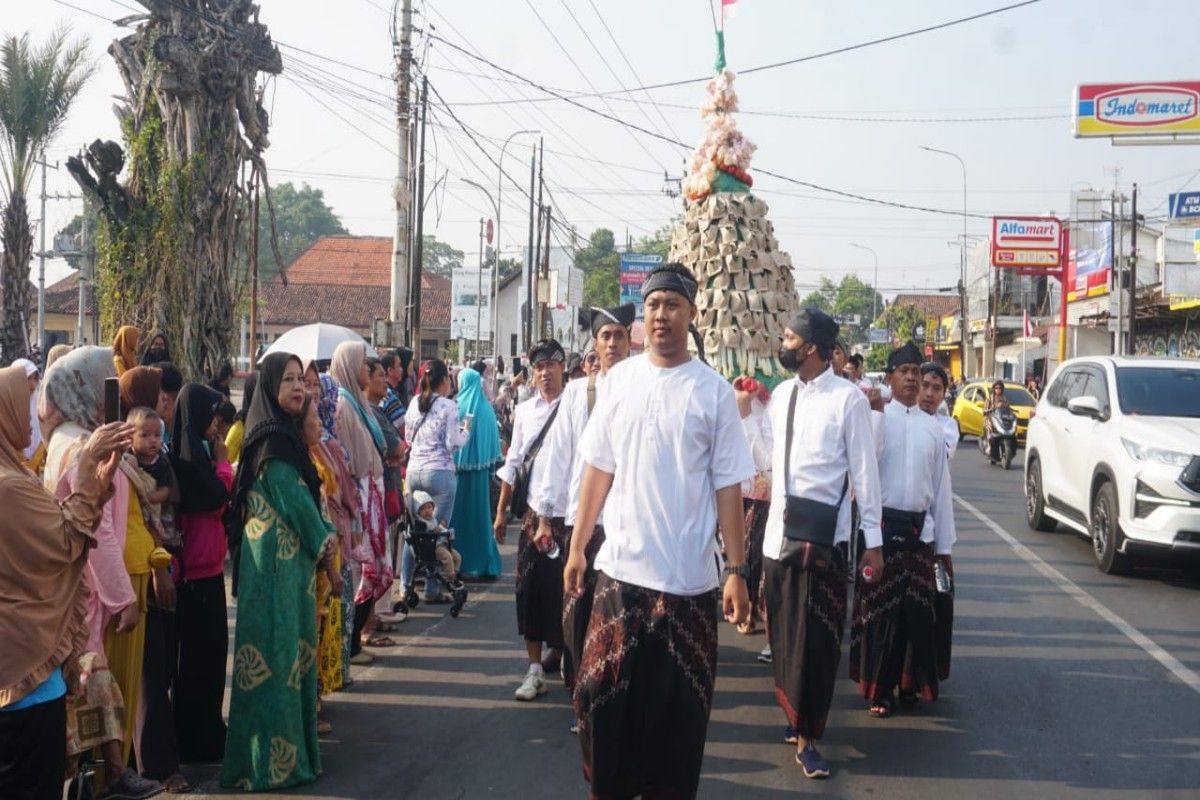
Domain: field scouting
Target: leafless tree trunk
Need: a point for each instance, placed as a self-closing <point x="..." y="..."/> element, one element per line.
<point x="192" y="118"/>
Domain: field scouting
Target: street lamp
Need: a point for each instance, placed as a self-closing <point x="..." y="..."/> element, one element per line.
<point x="496" y="269"/>
<point x="962" y="277"/>
<point x="875" y="282"/>
<point x="496" y="272"/>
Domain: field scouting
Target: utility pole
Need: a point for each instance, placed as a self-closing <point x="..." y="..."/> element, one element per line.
<point x="547" y="321"/>
<point x="254" y="281"/>
<point x="479" y="293"/>
<point x="402" y="50"/>
<point x="85" y="273"/>
<point x="1119" y="270"/>
<point x="530" y="263"/>
<point x="414" y="330"/>
<point x="1133" y="257"/>
<point x="41" y="311"/>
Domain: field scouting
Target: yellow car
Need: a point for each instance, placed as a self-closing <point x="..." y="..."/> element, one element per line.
<point x="968" y="407"/>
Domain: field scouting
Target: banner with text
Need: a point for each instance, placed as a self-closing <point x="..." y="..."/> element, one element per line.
<point x="634" y="269"/>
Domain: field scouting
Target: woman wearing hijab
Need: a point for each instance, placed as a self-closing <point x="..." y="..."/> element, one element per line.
<point x="119" y="567"/>
<point x="473" y="464"/>
<point x="57" y="352"/>
<point x="362" y="438"/>
<point x="205" y="479"/>
<point x="154" y="742"/>
<point x="124" y="349"/>
<point x="345" y="515"/>
<point x="223" y="379"/>
<point x="237" y="431"/>
<point x="157" y="352"/>
<point x="272" y="740"/>
<point x="32" y="377"/>
<point x="43" y="591"/>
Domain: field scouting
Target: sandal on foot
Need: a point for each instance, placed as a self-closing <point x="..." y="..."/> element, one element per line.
<point x="324" y="728"/>
<point x="881" y="709"/>
<point x="381" y="641"/>
<point x="176" y="784"/>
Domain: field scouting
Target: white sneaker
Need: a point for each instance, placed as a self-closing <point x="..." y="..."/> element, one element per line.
<point x="530" y="688"/>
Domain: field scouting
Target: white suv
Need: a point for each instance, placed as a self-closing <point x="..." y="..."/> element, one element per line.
<point x="1113" y="452"/>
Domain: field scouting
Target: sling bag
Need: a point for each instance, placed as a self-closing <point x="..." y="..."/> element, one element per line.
<point x="809" y="526"/>
<point x="519" y="501"/>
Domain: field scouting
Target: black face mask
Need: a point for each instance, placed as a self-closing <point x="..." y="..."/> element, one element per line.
<point x="789" y="359"/>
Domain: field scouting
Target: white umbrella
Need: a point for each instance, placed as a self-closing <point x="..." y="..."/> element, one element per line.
<point x="314" y="342"/>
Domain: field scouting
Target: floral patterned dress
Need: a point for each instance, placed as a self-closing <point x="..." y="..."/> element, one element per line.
<point x="272" y="741"/>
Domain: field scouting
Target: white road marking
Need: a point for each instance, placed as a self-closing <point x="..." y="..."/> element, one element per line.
<point x="1069" y="587"/>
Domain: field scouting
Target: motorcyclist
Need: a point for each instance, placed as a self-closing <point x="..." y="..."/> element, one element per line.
<point x="995" y="400"/>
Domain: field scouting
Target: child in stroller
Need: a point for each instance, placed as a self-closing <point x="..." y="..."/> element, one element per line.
<point x="435" y="555"/>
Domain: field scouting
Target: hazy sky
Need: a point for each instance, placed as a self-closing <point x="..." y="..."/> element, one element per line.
<point x="997" y="91"/>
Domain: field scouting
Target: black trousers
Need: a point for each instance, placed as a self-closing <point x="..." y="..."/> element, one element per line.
<point x="33" y="751"/>
<point x="362" y="613"/>
<point x="200" y="684"/>
<point x="157" y="751"/>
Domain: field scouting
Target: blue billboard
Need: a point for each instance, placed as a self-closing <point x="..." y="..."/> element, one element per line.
<point x="634" y="269"/>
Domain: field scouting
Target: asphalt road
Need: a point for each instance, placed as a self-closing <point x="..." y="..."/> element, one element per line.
<point x="1066" y="683"/>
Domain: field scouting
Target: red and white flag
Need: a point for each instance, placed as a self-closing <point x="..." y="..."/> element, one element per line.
<point x="728" y="11"/>
<point x="1028" y="328"/>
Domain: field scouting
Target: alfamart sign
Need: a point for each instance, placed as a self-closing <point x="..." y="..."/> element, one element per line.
<point x="1032" y="242"/>
<point x="1137" y="109"/>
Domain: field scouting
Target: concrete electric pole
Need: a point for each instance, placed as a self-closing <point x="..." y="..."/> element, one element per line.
<point x="402" y="49"/>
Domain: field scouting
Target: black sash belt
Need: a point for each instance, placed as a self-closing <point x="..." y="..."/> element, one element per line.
<point x="902" y="527"/>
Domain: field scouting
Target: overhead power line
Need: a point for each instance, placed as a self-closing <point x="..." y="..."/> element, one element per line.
<point x="824" y="54"/>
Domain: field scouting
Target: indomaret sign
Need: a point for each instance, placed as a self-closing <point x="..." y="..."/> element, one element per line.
<point x="1027" y="242"/>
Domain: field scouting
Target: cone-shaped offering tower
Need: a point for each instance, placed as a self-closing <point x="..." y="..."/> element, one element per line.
<point x="747" y="292"/>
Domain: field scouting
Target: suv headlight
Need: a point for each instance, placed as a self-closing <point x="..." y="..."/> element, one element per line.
<point x="1142" y="452"/>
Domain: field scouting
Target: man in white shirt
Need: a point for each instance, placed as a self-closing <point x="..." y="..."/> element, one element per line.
<point x="822" y="445"/>
<point x="665" y="447"/>
<point x="934" y="382"/>
<point x="539" y="557"/>
<point x="892" y="637"/>
<point x="610" y="331"/>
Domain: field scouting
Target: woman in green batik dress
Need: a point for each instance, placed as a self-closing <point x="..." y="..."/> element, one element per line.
<point x="272" y="741"/>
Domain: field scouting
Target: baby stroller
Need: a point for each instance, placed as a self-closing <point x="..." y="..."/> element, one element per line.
<point x="424" y="545"/>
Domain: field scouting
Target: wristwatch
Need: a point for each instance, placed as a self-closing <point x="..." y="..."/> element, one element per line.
<point x="741" y="570"/>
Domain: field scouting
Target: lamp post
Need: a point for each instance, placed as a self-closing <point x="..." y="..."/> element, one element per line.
<point x="962" y="277"/>
<point x="495" y="274"/>
<point x="874" y="282"/>
<point x="496" y="269"/>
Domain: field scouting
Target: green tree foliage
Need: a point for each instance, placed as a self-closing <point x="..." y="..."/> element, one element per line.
<point x="301" y="217"/>
<point x="906" y="323"/>
<point x="849" y="297"/>
<point x="439" y="258"/>
<point x="37" y="87"/>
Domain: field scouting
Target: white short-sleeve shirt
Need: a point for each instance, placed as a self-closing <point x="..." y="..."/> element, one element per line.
<point x="671" y="438"/>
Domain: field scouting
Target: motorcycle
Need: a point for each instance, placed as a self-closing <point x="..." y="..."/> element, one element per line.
<point x="999" y="442"/>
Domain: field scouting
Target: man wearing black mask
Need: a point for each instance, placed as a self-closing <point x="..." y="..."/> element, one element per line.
<point x="822" y="445"/>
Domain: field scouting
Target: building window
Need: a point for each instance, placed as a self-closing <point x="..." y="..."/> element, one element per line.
<point x="512" y="346"/>
<point x="429" y="348"/>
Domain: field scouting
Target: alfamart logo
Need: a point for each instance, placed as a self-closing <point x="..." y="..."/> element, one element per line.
<point x="1139" y="106"/>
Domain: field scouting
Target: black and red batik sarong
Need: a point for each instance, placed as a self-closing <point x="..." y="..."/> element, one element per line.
<point x="892" y="640"/>
<point x="577" y="613"/>
<point x="540" y="584"/>
<point x="808" y="615"/>
<point x="644" y="690"/>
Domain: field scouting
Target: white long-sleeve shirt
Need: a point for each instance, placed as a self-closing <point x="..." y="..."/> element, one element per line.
<point x="757" y="427"/>
<point x="833" y="439"/>
<point x="561" y="451"/>
<point x="672" y="438"/>
<point x="528" y="419"/>
<point x="914" y="472"/>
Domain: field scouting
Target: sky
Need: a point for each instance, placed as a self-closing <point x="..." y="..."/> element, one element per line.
<point x="996" y="91"/>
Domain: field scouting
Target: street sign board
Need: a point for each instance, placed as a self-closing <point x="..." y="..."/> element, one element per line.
<point x="471" y="304"/>
<point x="1184" y="205"/>
<point x="634" y="269"/>
<point x="1027" y="242"/>
<point x="878" y="336"/>
<point x="1161" y="108"/>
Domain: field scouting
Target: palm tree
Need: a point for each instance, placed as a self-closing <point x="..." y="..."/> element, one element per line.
<point x="37" y="87"/>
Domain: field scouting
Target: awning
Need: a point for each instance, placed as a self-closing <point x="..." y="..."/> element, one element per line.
<point x="1012" y="353"/>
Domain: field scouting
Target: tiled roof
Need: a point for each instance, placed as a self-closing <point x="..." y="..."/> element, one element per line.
<point x="63" y="297"/>
<point x="934" y="305"/>
<point x="346" y="280"/>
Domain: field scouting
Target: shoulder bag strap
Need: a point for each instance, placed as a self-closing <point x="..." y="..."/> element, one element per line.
<point x="787" y="446"/>
<point x="534" y="448"/>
